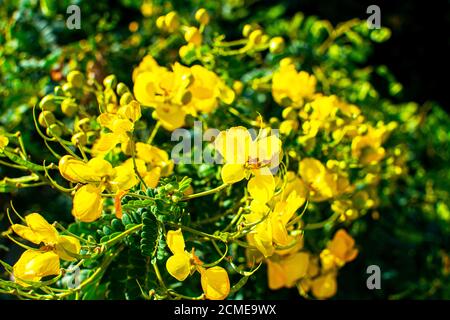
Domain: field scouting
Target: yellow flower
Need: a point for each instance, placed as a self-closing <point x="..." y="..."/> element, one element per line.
<point x="36" y="264"/>
<point x="214" y="281"/>
<point x="324" y="286"/>
<point x="368" y="148"/>
<point x="322" y="183"/>
<point x="164" y="90"/>
<point x="245" y="157"/>
<point x="206" y="89"/>
<point x="285" y="271"/>
<point x="120" y="124"/>
<point x="179" y="264"/>
<point x="3" y="142"/>
<point x="287" y="94"/>
<point x="96" y="175"/>
<point x="340" y="250"/>
<point x="272" y="230"/>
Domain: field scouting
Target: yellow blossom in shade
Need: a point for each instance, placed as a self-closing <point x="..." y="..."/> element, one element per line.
<point x="3" y="141"/>
<point x="215" y="282"/>
<point x="179" y="264"/>
<point x="322" y="183"/>
<point x="324" y="286"/>
<point x="342" y="247"/>
<point x="367" y="148"/>
<point x="287" y="94"/>
<point x="245" y="158"/>
<point x="287" y="270"/>
<point x="206" y="89"/>
<point x="36" y="264"/>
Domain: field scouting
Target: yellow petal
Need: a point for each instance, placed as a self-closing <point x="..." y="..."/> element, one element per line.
<point x="325" y="286"/>
<point x="76" y="170"/>
<point x="232" y="173"/>
<point x="215" y="283"/>
<point x="145" y="88"/>
<point x="267" y="149"/>
<point x="123" y="179"/>
<point x="131" y="111"/>
<point x="100" y="166"/>
<point x="38" y="230"/>
<point x="295" y="267"/>
<point x="275" y="275"/>
<point x="262" y="186"/>
<point x="34" y="265"/>
<point x="3" y="141"/>
<point x="179" y="266"/>
<point x="87" y="203"/>
<point x="67" y="246"/>
<point x="105" y="143"/>
<point x="226" y="94"/>
<point x="171" y="116"/>
<point x="233" y="144"/>
<point x="175" y="241"/>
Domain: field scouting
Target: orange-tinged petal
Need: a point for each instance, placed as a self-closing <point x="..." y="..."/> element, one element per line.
<point x="175" y="241"/>
<point x="325" y="286"/>
<point x="275" y="274"/>
<point x="215" y="283"/>
<point x="179" y="266"/>
<point x="295" y="267"/>
<point x="232" y="173"/>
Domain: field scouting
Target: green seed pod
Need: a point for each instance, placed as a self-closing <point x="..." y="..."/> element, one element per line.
<point x="48" y="103"/>
<point x="75" y="78"/>
<point x="54" y="130"/>
<point x="126" y="98"/>
<point x="46" y="118"/>
<point x="68" y="107"/>
<point x="110" y="81"/>
<point x="122" y="88"/>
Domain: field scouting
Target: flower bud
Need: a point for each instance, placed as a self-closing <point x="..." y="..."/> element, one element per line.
<point x="110" y="81"/>
<point x="75" y="78"/>
<point x="54" y="130"/>
<point x="79" y="139"/>
<point x="122" y="88"/>
<point x="48" y="103"/>
<point x="160" y="22"/>
<point x="246" y="30"/>
<point x="172" y="21"/>
<point x="193" y="36"/>
<point x="68" y="107"/>
<point x="255" y="37"/>
<point x="46" y="118"/>
<point x="276" y="45"/>
<point x="126" y="98"/>
<point x="202" y="16"/>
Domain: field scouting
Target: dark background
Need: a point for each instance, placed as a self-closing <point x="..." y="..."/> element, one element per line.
<point x="417" y="52"/>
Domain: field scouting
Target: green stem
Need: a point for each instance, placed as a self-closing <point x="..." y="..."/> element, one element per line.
<point x="205" y="193"/>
